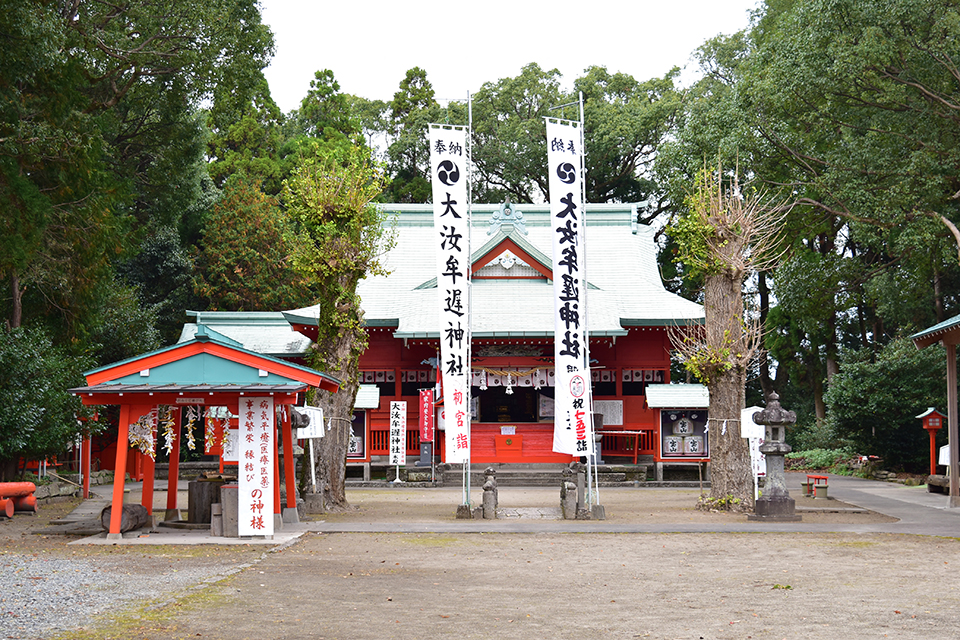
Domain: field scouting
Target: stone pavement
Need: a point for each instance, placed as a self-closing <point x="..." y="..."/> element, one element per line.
<point x="918" y="512"/>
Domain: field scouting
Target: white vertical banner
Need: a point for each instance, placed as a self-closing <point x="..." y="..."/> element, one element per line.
<point x="573" y="425"/>
<point x="449" y="160"/>
<point x="398" y="433"/>
<point x="257" y="431"/>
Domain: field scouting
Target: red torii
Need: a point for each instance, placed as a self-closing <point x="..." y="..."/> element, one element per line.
<point x="210" y="370"/>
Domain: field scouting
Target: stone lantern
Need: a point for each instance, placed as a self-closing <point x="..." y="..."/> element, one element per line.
<point x="775" y="505"/>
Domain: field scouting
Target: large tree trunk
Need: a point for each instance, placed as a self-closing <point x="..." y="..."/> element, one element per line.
<point x="730" y="469"/>
<point x="338" y="413"/>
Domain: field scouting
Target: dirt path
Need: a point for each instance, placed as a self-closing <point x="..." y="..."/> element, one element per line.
<point x="357" y="586"/>
<point x="482" y="585"/>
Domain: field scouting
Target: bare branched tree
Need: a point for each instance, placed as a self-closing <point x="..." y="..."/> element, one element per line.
<point x="725" y="236"/>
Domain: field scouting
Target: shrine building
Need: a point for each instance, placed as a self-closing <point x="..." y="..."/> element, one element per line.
<point x="628" y="316"/>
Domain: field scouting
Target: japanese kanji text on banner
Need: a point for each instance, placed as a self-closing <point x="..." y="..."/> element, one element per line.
<point x="451" y="214"/>
<point x="573" y="432"/>
<point x="426" y="415"/>
<point x="398" y="433"/>
<point x="257" y="431"/>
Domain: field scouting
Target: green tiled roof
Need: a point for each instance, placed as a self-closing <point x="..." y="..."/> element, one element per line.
<point x="624" y="289"/>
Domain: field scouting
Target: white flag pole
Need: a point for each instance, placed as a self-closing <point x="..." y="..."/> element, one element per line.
<point x="593" y="487"/>
<point x="468" y="143"/>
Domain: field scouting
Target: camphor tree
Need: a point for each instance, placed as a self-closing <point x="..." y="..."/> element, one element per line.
<point x="341" y="237"/>
<point x="724" y="236"/>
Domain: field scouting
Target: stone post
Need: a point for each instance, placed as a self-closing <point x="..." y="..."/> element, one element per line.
<point x="568" y="495"/>
<point x="775" y="505"/>
<point x="490" y="498"/>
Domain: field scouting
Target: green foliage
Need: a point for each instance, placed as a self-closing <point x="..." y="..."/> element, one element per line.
<point x="412" y="109"/>
<point x="874" y="402"/>
<point x="720" y="503"/>
<point x="340" y="237"/>
<point x="161" y="271"/>
<point x="125" y="327"/>
<point x="811" y="434"/>
<point x="37" y="415"/>
<point x="243" y="259"/>
<point x="816" y="459"/>
<point x="625" y="121"/>
<point x="324" y="112"/>
<point x="691" y="230"/>
<point x="250" y="145"/>
<point x="100" y="139"/>
<point x="509" y="133"/>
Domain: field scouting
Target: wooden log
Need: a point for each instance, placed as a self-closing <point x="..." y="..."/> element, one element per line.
<point x="15" y="489"/>
<point x="132" y="516"/>
<point x="200" y="495"/>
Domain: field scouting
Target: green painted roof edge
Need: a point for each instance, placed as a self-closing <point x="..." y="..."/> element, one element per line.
<point x="660" y="322"/>
<point x="208" y="338"/>
<point x="941" y="327"/>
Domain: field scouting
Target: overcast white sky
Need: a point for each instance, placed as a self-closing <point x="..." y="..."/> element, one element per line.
<point x="370" y="44"/>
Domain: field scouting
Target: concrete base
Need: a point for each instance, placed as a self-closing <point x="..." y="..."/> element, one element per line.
<point x="171" y="515"/>
<point x="464" y="512"/>
<point x="114" y="536"/>
<point x="598" y="512"/>
<point x="277" y="522"/>
<point x="291" y="515"/>
<point x="775" y="509"/>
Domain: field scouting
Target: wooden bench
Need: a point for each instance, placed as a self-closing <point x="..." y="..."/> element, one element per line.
<point x="938" y="484"/>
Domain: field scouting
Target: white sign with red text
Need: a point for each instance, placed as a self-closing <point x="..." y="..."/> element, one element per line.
<point x="257" y="432"/>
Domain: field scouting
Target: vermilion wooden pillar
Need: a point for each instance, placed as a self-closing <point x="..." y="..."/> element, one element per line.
<point x="288" y="465"/>
<point x="119" y="475"/>
<point x="86" y="450"/>
<point x="277" y="507"/>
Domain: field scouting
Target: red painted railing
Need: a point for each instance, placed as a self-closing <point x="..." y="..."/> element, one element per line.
<point x="380" y="442"/>
<point x="628" y="442"/>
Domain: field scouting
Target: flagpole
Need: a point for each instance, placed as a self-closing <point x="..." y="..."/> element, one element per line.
<point x="593" y="487"/>
<point x="469" y="390"/>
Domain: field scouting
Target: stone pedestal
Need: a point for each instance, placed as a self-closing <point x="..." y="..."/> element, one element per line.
<point x="779" y="509"/>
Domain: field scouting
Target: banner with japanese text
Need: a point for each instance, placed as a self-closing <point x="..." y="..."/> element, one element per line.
<point x="398" y="433"/>
<point x="573" y="425"/>
<point x="426" y="415"/>
<point x="257" y="433"/>
<point x="449" y="160"/>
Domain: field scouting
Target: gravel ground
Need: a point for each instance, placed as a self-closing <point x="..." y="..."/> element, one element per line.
<point x="47" y="587"/>
<point x="44" y="594"/>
